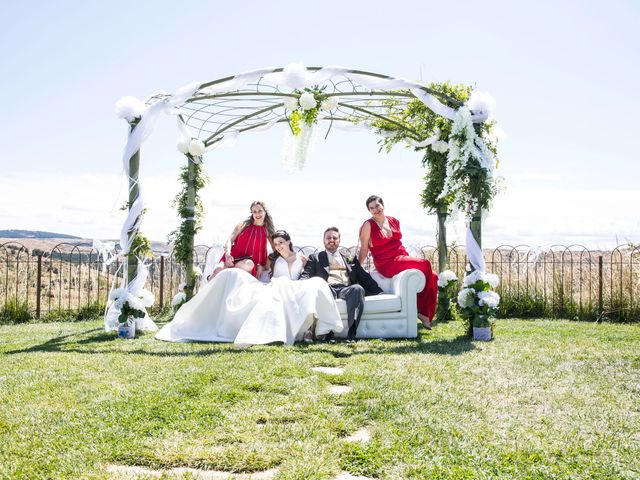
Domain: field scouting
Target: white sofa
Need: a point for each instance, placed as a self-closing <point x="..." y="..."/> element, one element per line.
<point x="392" y="314"/>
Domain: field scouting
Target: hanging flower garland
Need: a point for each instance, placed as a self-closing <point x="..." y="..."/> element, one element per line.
<point x="304" y="110"/>
<point x="470" y="182"/>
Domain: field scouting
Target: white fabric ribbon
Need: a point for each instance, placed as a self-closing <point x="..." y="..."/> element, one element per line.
<point x="426" y="142"/>
<point x="106" y="251"/>
<point x="474" y="252"/>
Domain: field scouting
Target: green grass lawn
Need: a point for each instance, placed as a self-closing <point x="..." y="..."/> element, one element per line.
<point x="546" y="399"/>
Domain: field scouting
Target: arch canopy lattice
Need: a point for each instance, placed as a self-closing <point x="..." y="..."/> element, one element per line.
<point x="216" y="112"/>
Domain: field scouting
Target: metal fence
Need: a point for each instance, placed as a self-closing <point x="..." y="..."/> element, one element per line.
<point x="561" y="281"/>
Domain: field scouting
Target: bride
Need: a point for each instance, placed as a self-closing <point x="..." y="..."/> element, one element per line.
<point x="236" y="307"/>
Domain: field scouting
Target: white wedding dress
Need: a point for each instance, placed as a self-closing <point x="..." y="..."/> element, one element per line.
<point x="236" y="307"/>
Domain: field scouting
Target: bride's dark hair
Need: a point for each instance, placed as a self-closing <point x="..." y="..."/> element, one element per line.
<point x="274" y="255"/>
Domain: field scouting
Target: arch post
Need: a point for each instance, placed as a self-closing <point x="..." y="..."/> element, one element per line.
<point x="134" y="193"/>
<point x="188" y="215"/>
<point x="476" y="229"/>
<point x="443" y="255"/>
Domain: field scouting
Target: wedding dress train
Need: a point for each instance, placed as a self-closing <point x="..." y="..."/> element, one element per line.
<point x="236" y="307"/>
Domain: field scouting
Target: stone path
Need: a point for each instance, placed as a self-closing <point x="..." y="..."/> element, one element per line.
<point x="329" y="370"/>
<point x="339" y="389"/>
<point x="361" y="435"/>
<point x="348" y="476"/>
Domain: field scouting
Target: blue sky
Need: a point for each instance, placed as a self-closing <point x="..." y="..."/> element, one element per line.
<point x="564" y="76"/>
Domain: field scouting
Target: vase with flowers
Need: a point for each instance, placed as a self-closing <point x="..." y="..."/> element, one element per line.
<point x="479" y="303"/>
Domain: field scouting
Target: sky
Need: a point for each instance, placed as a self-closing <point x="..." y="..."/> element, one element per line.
<point x="564" y="76"/>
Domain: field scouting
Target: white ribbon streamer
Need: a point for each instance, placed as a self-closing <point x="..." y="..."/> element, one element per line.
<point x="474" y="252"/>
<point x="429" y="141"/>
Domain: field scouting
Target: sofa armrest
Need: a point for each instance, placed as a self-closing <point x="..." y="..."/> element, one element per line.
<point x="408" y="282"/>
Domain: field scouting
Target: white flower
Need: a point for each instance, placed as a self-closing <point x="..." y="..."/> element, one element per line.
<point x="196" y="147"/>
<point x="136" y="303"/>
<point x="116" y="293"/>
<point x="466" y="297"/>
<point x="183" y="145"/>
<point x="492" y="279"/>
<point x="147" y="297"/>
<point x="197" y="271"/>
<point x="440" y="146"/>
<point x="178" y="299"/>
<point x="130" y="108"/>
<point x="445" y="277"/>
<point x="329" y="104"/>
<point x="307" y="101"/>
<point x="126" y="297"/>
<point x="472" y="278"/>
<point x="490" y="299"/>
<point x="290" y="103"/>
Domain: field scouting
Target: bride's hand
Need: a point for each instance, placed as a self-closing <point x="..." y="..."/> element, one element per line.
<point x="228" y="261"/>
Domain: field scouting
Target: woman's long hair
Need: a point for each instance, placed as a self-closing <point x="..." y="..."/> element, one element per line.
<point x="268" y="221"/>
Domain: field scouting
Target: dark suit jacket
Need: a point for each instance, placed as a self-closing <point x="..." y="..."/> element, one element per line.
<point x="318" y="266"/>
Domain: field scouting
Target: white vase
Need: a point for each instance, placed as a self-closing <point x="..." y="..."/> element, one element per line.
<point x="127" y="329"/>
<point x="482" y="333"/>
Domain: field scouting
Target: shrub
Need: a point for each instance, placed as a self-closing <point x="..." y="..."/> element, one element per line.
<point x="15" y="311"/>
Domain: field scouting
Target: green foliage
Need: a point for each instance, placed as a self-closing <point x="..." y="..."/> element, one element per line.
<point x="128" y="311"/>
<point x="182" y="238"/>
<point x="294" y="121"/>
<point x="309" y="116"/>
<point x="447" y="309"/>
<point x="417" y="121"/>
<point x="15" y="311"/>
<point x="140" y="247"/>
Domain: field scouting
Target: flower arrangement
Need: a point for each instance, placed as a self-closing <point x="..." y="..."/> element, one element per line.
<point x="131" y="306"/>
<point x="306" y="107"/>
<point x="192" y="146"/>
<point x="446" y="309"/>
<point x="477" y="301"/>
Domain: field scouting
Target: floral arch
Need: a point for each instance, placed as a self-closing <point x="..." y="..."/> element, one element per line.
<point x="210" y="114"/>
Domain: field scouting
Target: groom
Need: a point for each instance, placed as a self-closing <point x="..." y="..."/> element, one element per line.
<point x="346" y="277"/>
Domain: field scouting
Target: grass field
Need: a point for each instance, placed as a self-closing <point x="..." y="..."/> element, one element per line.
<point x="546" y="399"/>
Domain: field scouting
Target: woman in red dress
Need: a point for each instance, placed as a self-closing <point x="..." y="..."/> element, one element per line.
<point x="382" y="236"/>
<point x="246" y="247"/>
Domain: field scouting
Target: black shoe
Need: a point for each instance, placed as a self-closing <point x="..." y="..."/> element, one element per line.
<point x="330" y="337"/>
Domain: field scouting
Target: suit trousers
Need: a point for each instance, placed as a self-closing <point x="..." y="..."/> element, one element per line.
<point x="354" y="296"/>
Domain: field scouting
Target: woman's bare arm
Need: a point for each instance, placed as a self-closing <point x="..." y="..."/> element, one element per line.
<point x="365" y="237"/>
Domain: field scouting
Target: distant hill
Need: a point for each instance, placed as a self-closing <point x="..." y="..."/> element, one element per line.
<point x="47" y="240"/>
<point x="33" y="234"/>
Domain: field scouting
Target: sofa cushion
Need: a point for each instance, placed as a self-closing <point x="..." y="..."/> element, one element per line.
<point x="376" y="304"/>
<point x="386" y="284"/>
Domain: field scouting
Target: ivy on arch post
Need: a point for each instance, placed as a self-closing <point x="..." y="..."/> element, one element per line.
<point x="189" y="206"/>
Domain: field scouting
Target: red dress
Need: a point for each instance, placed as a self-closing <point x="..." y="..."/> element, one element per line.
<point x="251" y="242"/>
<point x="390" y="258"/>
